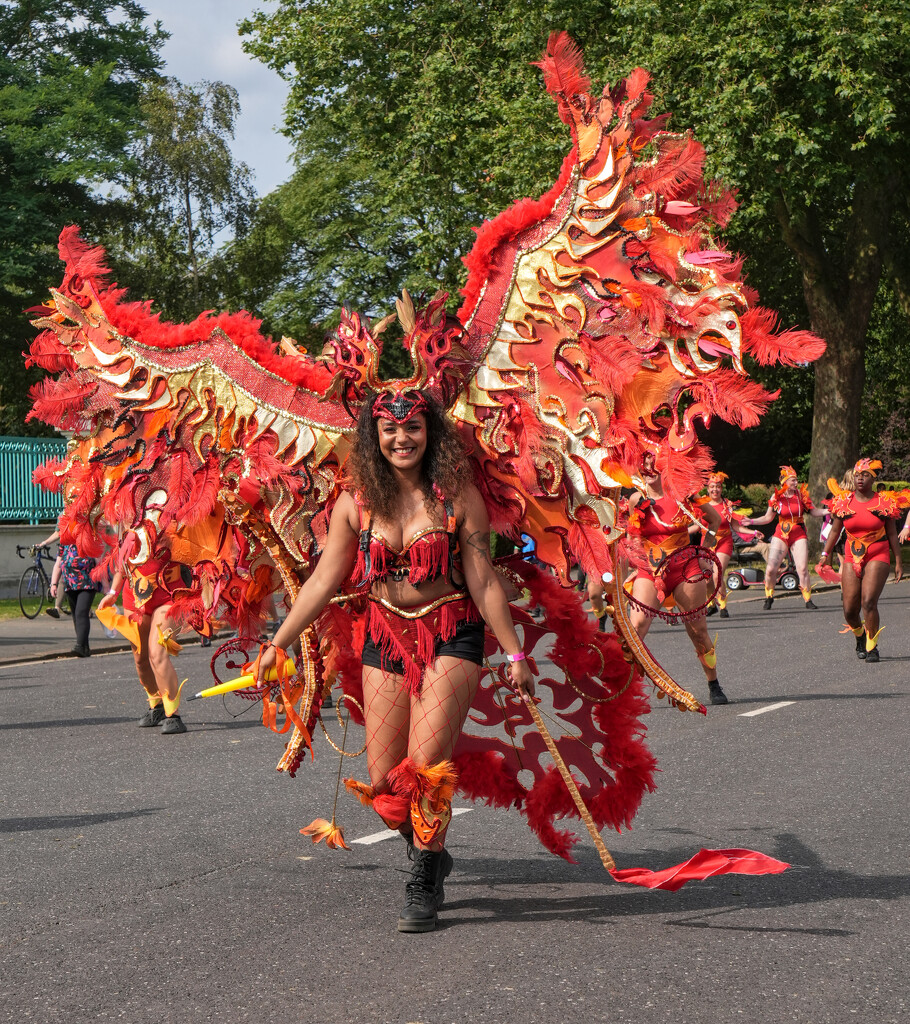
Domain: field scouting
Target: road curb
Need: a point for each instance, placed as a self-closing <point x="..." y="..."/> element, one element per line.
<point x="26" y="659"/>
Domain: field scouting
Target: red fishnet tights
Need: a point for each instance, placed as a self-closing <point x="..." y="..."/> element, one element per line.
<point x="424" y="727"/>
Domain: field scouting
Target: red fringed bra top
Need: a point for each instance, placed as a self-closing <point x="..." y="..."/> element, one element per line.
<point x="427" y="556"/>
<point x="409" y="635"/>
<point x="791" y="507"/>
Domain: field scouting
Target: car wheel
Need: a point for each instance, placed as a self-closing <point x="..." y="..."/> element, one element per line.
<point x="735" y="581"/>
<point x="789" y="581"/>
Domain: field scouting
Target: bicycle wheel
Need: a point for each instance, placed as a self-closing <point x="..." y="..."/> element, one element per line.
<point x="32" y="591"/>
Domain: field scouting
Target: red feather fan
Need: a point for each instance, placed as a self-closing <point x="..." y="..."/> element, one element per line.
<point x="61" y="401"/>
<point x="678" y="169"/>
<point x="563" y="73"/>
<point x="47" y="352"/>
<point x="733" y="398"/>
<point x="791" y="347"/>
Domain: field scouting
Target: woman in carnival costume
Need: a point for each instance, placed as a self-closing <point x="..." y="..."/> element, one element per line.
<point x="414" y="530"/>
<point x="730" y="522"/>
<point x="573" y="332"/>
<point x="868" y="518"/>
<point x="789" y="503"/>
<point x="669" y="566"/>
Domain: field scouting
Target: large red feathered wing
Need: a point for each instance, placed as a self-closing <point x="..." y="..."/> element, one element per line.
<point x="598" y="305"/>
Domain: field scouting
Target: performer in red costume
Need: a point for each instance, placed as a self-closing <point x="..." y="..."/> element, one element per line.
<point x="150" y="609"/>
<point x="730" y="522"/>
<point x="869" y="520"/>
<point x="416" y="534"/>
<point x="659" y="529"/>
<point x="552" y="381"/>
<point x="790" y="502"/>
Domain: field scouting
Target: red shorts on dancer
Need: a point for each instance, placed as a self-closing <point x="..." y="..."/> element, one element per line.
<point x="789" y="503"/>
<point x="869" y="519"/>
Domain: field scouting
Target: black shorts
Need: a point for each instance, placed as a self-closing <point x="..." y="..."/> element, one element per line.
<point x="467" y="644"/>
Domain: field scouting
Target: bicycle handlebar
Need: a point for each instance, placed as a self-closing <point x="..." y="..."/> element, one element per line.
<point x="43" y="552"/>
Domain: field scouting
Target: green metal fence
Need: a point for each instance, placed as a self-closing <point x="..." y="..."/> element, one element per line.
<point x="20" y="499"/>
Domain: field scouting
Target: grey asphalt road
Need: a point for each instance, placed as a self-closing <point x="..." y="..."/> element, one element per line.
<point x="155" y="879"/>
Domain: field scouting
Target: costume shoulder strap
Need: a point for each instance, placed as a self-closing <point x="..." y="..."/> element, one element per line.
<point x="366" y="530"/>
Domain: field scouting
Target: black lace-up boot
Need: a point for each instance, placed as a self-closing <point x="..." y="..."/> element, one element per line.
<point x="715" y="694"/>
<point x="424" y="893"/>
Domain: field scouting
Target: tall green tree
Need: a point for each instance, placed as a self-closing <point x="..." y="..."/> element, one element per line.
<point x="412" y="122"/>
<point x="184" y="192"/>
<point x="806" y="110"/>
<point x="70" y="75"/>
<point x="429" y="118"/>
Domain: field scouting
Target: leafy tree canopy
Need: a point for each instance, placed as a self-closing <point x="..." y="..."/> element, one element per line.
<point x="415" y="121"/>
<point x="70" y="74"/>
<point x="183" y="190"/>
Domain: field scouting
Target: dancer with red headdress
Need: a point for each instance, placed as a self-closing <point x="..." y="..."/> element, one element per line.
<point x="868" y="517"/>
<point x="731" y="522"/>
<point x="586" y="312"/>
<point x="414" y="530"/>
<point x="669" y="567"/>
<point x="789" y="504"/>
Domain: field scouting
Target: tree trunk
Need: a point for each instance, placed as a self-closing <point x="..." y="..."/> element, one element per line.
<point x="839" y="378"/>
<point x="839" y="293"/>
<point x="191" y="241"/>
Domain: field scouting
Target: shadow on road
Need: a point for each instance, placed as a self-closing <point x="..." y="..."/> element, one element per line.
<point x="60" y="723"/>
<point x="52" y="821"/>
<point x="807" y="881"/>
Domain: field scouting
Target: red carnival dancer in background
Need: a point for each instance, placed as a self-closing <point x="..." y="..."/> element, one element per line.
<point x="869" y="520"/>
<point x="149" y="606"/>
<point x="659" y="527"/>
<point x="730" y="523"/>
<point x="790" y="502"/>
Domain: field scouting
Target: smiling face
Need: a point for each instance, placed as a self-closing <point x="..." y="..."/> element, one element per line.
<point x="403" y="444"/>
<point x="791" y="485"/>
<point x="715" y="490"/>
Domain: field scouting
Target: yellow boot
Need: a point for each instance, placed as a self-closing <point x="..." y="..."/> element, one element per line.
<point x="172" y="723"/>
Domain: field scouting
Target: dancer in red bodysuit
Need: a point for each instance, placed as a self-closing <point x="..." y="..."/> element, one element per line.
<point x="659" y="529"/>
<point x="730" y="523"/>
<point x="790" y="502"/>
<point x="869" y="520"/>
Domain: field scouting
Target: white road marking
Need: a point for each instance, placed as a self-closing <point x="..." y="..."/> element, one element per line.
<point x="768" y="707"/>
<point x="377" y="837"/>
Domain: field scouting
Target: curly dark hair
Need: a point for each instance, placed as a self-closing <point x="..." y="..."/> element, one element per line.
<point x="445" y="462"/>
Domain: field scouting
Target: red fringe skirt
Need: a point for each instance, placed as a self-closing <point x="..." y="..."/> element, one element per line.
<point x="409" y="635"/>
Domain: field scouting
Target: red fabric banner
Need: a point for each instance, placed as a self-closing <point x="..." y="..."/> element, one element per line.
<point x="703" y="865"/>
